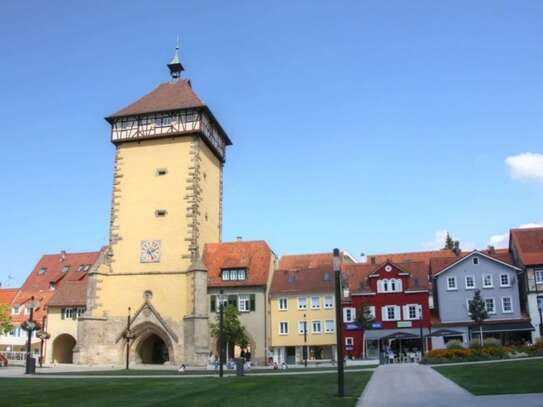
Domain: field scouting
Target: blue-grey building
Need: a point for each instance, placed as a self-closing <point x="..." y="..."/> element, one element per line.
<point x="455" y="281"/>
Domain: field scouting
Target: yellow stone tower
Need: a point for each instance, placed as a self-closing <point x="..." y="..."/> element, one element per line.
<point x="166" y="204"/>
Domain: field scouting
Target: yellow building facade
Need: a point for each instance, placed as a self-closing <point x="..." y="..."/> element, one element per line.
<point x="302" y="299"/>
<point x="166" y="205"/>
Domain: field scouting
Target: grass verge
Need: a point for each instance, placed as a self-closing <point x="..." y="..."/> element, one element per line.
<point x="513" y="377"/>
<point x="295" y="391"/>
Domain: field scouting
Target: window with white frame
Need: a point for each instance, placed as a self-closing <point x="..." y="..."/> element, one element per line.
<point x="27" y="310"/>
<point x="15" y="310"/>
<point x="390" y="313"/>
<point x="539" y="276"/>
<point x="349" y="314"/>
<point x="349" y="341"/>
<point x="468" y="302"/>
<point x="470" y="282"/>
<point x="315" y="302"/>
<point x="392" y="285"/>
<point x="475" y="260"/>
<point x="451" y="283"/>
<point x="302" y="327"/>
<point x="507" y="305"/>
<point x="487" y="281"/>
<point x="283" y="304"/>
<point x="316" y="327"/>
<point x="328" y="301"/>
<point x="505" y="281"/>
<point x="490" y="305"/>
<point x="411" y="312"/>
<point x="302" y="303"/>
<point x="283" y="328"/>
<point x="244" y="303"/>
<point x="233" y="274"/>
<point x="329" y="326"/>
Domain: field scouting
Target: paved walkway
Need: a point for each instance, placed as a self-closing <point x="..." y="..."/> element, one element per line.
<point x="413" y="385"/>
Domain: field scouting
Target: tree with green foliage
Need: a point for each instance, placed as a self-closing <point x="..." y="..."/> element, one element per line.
<point x="5" y="321"/>
<point x="234" y="332"/>
<point x="478" y="312"/>
<point x="451" y="244"/>
<point x="364" y="319"/>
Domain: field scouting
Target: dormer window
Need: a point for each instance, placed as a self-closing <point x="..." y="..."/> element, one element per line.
<point x="234" y="274"/>
<point x="65" y="269"/>
<point x="326" y="276"/>
<point x="52" y="285"/>
<point x="42" y="271"/>
<point x="392" y="285"/>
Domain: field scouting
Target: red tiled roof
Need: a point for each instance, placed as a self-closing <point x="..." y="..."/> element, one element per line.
<point x="299" y="281"/>
<point x="410" y="256"/>
<point x="54" y="265"/>
<point x="357" y="275"/>
<point x="38" y="285"/>
<point x="255" y="256"/>
<point x="7" y="295"/>
<point x="529" y="244"/>
<point x="70" y="293"/>
<point x="437" y="264"/>
<point x="166" y="96"/>
<point x="305" y="261"/>
<point x="24" y="297"/>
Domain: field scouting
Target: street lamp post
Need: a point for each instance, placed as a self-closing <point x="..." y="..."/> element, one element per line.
<point x="221" y="333"/>
<point x="421" y="334"/>
<point x="128" y="339"/>
<point x="43" y="335"/>
<point x="30" y="327"/>
<point x="305" y="341"/>
<point x="339" y="324"/>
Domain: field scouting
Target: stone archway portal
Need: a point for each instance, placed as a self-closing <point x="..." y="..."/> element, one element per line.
<point x="153" y="350"/>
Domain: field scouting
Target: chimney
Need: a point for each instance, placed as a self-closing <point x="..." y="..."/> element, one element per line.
<point x="239" y="238"/>
<point x="491" y="249"/>
<point x="62" y="255"/>
<point x="372" y="259"/>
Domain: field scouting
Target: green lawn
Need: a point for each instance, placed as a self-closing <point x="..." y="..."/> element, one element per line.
<point x="497" y="378"/>
<point x="280" y="390"/>
<point x="174" y="372"/>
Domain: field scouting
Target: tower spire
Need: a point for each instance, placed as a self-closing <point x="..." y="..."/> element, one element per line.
<point x="175" y="66"/>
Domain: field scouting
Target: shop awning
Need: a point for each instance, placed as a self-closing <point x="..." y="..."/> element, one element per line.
<point x="406" y="333"/>
<point x="445" y="332"/>
<point x="507" y="327"/>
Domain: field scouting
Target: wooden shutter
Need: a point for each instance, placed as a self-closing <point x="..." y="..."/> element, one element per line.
<point x="384" y="314"/>
<point x="233" y="300"/>
<point x="212" y="304"/>
<point x="252" y="298"/>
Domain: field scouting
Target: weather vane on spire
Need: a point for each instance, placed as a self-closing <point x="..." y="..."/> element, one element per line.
<point x="175" y="66"/>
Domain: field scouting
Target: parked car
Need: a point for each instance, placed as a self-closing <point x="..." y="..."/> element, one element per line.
<point x="3" y="361"/>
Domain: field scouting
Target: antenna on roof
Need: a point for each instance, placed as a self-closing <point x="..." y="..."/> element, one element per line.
<point x="175" y="66"/>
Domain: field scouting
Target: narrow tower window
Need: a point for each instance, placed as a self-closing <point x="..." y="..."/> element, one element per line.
<point x="159" y="213"/>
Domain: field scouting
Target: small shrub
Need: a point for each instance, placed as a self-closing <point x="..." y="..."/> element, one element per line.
<point x="475" y="343"/>
<point x="492" y="342"/>
<point x="455" y="344"/>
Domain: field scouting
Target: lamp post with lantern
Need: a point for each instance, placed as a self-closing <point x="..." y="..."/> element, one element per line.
<point x="221" y="333"/>
<point x="30" y="326"/>
<point x="339" y="324"/>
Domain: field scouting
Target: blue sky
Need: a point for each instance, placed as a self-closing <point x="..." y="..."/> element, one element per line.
<point x="369" y="126"/>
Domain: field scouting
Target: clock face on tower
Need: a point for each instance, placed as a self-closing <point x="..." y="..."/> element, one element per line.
<point x="150" y="251"/>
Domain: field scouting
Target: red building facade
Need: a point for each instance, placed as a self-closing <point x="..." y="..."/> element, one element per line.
<point x="397" y="295"/>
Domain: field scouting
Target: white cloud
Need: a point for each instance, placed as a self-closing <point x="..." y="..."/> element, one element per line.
<point x="502" y="241"/>
<point x="526" y="167"/>
<point x="437" y="242"/>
